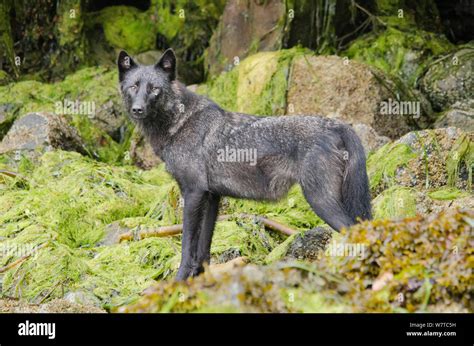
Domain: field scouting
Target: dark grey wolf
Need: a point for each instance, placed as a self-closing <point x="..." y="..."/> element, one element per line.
<point x="198" y="141"/>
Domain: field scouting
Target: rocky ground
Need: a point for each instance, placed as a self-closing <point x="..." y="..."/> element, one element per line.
<point x="83" y="198"/>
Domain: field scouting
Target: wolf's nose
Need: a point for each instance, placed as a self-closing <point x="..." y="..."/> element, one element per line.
<point x="137" y="110"/>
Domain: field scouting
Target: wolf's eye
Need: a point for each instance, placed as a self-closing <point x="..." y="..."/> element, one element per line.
<point x="134" y="87"/>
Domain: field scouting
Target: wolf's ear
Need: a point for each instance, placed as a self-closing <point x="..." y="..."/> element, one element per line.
<point x="167" y="63"/>
<point x="125" y="63"/>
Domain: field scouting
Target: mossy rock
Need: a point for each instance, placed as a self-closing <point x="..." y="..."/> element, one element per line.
<point x="106" y="131"/>
<point x="257" y="85"/>
<point x="450" y="79"/>
<point x="403" y="53"/>
<point x="127" y="27"/>
<point x="282" y="287"/>
<point x="351" y="91"/>
<point x="424" y="260"/>
<point x="186" y="26"/>
<point x="425" y="160"/>
<point x="39" y="132"/>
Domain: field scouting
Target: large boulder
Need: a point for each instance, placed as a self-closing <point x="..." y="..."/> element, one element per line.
<point x="428" y="159"/>
<point x="258" y="85"/>
<point x="245" y="27"/>
<point x="350" y="91"/>
<point x="422" y="173"/>
<point x="450" y="79"/>
<point x="41" y="131"/>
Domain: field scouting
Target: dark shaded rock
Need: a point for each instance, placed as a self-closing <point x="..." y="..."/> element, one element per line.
<point x="457" y="17"/>
<point x="310" y="244"/>
<point x="41" y="131"/>
<point x="141" y="152"/>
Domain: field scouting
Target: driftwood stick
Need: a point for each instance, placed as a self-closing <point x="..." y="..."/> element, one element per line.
<point x="166" y="231"/>
<point x="23" y="258"/>
<point x="9" y="173"/>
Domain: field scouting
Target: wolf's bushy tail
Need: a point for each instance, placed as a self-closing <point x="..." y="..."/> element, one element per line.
<point x="355" y="184"/>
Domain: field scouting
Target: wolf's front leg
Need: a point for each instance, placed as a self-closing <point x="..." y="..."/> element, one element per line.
<point x="194" y="204"/>
<point x="206" y="230"/>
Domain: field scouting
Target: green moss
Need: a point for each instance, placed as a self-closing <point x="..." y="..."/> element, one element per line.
<point x="258" y="85"/>
<point x="382" y="165"/>
<point x="280" y="251"/>
<point x="394" y="203"/>
<point x="128" y="28"/>
<point x="223" y="90"/>
<point x="462" y="152"/>
<point x="69" y="202"/>
<point x="447" y="194"/>
<point x="401" y="53"/>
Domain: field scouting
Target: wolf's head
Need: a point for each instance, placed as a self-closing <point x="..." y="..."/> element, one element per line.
<point x="147" y="90"/>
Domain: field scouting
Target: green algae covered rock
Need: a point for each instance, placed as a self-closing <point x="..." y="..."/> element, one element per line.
<point x="425" y="159"/>
<point x="257" y="85"/>
<point x="450" y="79"/>
<point x="183" y="25"/>
<point x="88" y="100"/>
<point x="403" y="53"/>
<point x="128" y="28"/>
<point x="283" y="287"/>
<point x="422" y="173"/>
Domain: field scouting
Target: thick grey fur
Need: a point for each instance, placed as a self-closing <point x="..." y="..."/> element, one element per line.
<point x="188" y="131"/>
